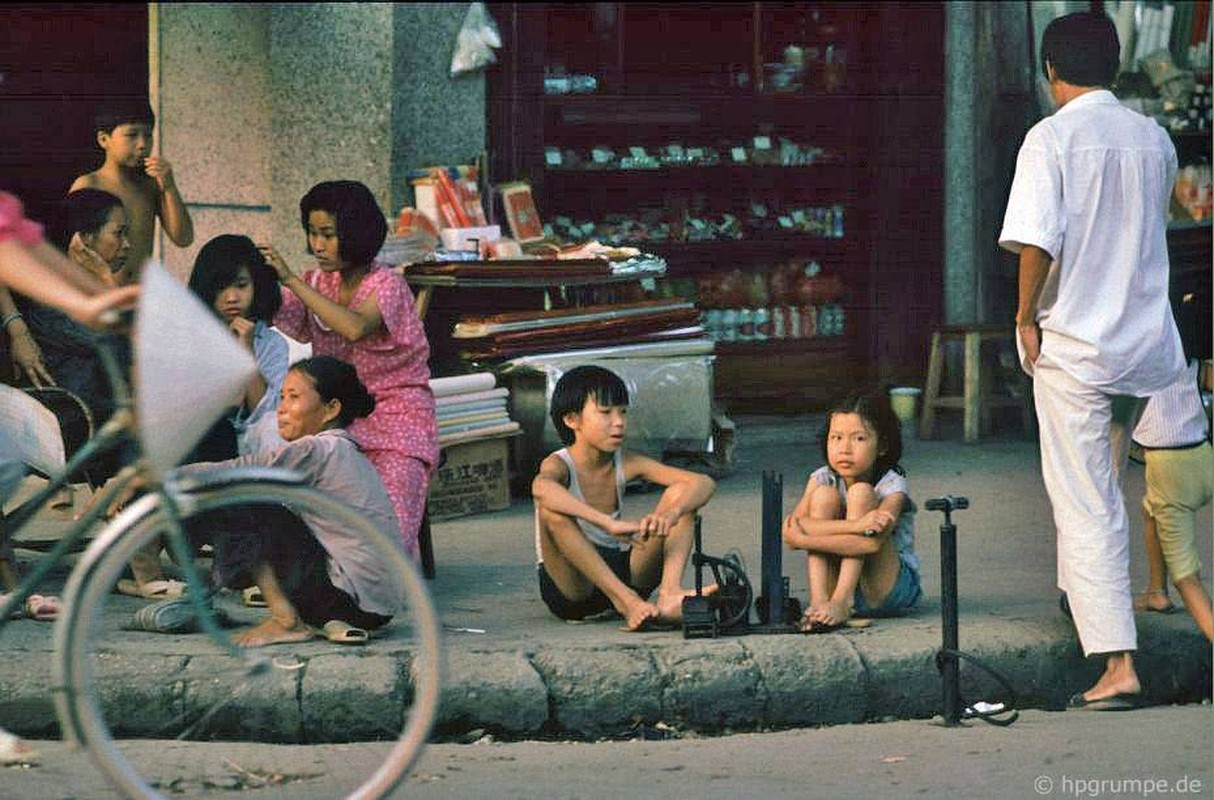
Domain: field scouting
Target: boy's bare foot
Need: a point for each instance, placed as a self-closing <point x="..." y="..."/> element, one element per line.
<point x="670" y="604"/>
<point x="271" y="631"/>
<point x="638" y="613"/>
<point x="1154" y="600"/>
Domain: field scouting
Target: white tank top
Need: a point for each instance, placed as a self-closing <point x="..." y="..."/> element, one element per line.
<point x="591" y="531"/>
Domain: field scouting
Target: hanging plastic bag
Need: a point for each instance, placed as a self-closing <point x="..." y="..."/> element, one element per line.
<point x="478" y="38"/>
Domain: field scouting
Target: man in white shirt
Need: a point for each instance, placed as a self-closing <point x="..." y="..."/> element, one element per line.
<point x="1087" y="215"/>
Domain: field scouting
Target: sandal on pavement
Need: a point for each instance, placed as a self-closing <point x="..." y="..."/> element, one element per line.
<point x="15" y="750"/>
<point x="341" y="632"/>
<point x="1142" y="601"/>
<point x="42" y="607"/>
<point x="1116" y="702"/>
<point x="253" y="598"/>
<point x="167" y="589"/>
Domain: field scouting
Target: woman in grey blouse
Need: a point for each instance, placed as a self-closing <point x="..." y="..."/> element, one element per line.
<point x="313" y="573"/>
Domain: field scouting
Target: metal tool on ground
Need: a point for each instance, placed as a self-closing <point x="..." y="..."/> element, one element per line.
<point x="727" y="610"/>
<point x="778" y="611"/>
<point x="949" y="657"/>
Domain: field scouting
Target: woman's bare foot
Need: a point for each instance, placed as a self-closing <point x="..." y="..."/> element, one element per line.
<point x="1154" y="600"/>
<point x="271" y="631"/>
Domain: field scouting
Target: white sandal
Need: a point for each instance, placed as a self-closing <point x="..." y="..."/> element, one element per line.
<point x="166" y="589"/>
<point x="14" y="750"/>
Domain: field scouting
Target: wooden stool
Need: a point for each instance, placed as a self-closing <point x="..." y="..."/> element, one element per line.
<point x="977" y="401"/>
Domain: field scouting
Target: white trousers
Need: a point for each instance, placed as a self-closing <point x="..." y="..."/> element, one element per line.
<point x="1085" y="441"/>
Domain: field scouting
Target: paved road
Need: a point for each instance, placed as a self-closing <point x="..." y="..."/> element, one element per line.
<point x="1148" y="753"/>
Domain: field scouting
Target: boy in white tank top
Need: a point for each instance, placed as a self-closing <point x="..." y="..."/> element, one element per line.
<point x="589" y="556"/>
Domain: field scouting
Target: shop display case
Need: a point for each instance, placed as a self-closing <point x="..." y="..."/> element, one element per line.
<point x="741" y="142"/>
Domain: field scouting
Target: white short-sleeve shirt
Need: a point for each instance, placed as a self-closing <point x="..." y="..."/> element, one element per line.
<point x="1092" y="188"/>
<point x="1174" y="417"/>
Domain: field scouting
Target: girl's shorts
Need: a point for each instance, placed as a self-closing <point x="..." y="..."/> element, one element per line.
<point x="903" y="597"/>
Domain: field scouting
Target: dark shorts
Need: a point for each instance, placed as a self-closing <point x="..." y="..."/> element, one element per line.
<point x="905" y="595"/>
<point x="620" y="562"/>
<point x="246" y="536"/>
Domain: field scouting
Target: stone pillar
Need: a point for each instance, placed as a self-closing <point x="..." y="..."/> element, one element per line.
<point x="436" y="119"/>
<point x="961" y="135"/>
<point x="331" y="106"/>
<point x="212" y="101"/>
<point x="259" y="102"/>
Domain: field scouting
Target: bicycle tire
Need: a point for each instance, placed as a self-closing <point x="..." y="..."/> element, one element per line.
<point x="194" y="705"/>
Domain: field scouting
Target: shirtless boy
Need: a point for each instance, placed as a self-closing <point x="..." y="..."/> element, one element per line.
<point x="143" y="182"/>
<point x="591" y="557"/>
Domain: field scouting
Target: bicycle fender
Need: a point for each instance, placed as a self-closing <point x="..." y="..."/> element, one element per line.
<point x="219" y="478"/>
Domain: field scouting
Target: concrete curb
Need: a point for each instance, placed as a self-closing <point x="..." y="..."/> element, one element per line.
<point x="579" y="691"/>
<point x="768" y="681"/>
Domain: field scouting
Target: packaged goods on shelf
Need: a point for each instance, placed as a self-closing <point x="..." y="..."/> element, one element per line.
<point x="448" y="196"/>
<point x="1193" y="192"/>
<point x="518" y="204"/>
<point x="476" y="238"/>
<point x="759" y="150"/>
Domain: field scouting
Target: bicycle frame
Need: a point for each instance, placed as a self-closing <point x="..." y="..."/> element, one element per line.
<point x="117" y="429"/>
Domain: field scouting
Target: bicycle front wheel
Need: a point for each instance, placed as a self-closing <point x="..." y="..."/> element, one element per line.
<point x="252" y="718"/>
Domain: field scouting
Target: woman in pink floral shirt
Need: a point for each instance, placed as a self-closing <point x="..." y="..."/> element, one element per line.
<point x="357" y="309"/>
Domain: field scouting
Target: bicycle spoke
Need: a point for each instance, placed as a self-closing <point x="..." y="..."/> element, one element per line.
<point x="125" y="685"/>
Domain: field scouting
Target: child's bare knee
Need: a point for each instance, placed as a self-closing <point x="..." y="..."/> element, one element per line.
<point x="861" y="495"/>
<point x="825" y="505"/>
<point x="554" y="521"/>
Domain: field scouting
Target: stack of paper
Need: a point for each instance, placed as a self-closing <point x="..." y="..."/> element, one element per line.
<point x="512" y="334"/>
<point x="471" y="407"/>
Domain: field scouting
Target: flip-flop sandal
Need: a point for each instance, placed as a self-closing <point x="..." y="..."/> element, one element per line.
<point x="42" y="607"/>
<point x="166" y="589"/>
<point x="858" y="622"/>
<point x="166" y="616"/>
<point x="253" y="598"/>
<point x="1140" y="602"/>
<point x="1117" y="702"/>
<point x="341" y="632"/>
<point x="15" y="750"/>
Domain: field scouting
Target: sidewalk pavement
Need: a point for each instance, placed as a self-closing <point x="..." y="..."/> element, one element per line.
<point x="514" y="670"/>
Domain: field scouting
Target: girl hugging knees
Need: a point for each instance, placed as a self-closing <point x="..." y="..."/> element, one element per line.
<point x="855" y="520"/>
